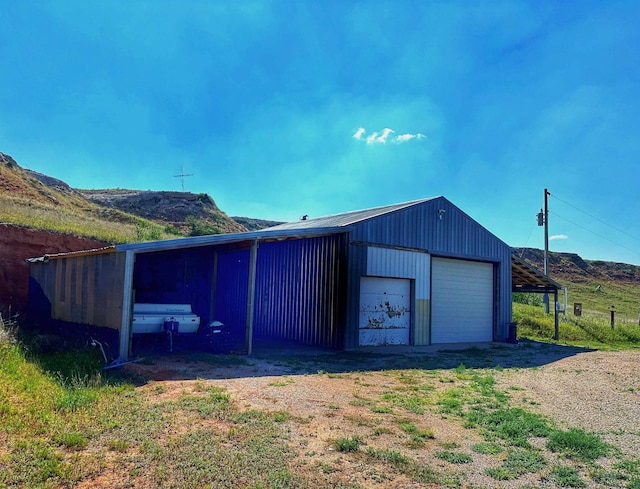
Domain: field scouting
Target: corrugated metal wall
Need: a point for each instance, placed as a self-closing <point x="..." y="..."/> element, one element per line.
<point x="299" y="290"/>
<point x="81" y="289"/>
<point x="232" y="283"/>
<point x="440" y="228"/>
<point x="184" y="276"/>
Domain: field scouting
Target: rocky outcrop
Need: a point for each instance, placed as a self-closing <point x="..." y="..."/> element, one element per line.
<point x="177" y="208"/>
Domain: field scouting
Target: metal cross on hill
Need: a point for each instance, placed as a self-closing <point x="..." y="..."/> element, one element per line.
<point x="182" y="175"/>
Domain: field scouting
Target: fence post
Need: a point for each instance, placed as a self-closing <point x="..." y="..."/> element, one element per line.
<point x="613" y="316"/>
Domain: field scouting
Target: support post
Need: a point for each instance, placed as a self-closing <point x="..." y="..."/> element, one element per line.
<point x="613" y="317"/>
<point x="127" y="307"/>
<point x="251" y="292"/>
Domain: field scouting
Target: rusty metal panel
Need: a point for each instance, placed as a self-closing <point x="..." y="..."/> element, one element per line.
<point x="385" y="311"/>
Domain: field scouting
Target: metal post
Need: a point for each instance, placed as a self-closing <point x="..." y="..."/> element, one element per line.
<point x="556" y="331"/>
<point x="251" y="292"/>
<point x="127" y="306"/>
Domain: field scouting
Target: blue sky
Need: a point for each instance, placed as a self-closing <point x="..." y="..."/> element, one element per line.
<point x="284" y="108"/>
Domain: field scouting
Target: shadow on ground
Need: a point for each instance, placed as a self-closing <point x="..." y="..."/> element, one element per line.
<point x="282" y="359"/>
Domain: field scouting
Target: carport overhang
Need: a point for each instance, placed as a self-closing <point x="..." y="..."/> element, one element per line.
<point x="526" y="278"/>
<point x="251" y="240"/>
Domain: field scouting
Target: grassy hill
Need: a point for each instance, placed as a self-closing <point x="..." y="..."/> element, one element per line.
<point x="38" y="201"/>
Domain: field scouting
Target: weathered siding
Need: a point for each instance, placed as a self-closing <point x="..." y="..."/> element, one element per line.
<point x="84" y="289"/>
<point x="441" y="229"/>
<point x="299" y="296"/>
<point x="385" y="262"/>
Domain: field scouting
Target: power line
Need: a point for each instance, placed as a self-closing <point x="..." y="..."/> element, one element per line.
<point x="596" y="218"/>
<point x="594" y="233"/>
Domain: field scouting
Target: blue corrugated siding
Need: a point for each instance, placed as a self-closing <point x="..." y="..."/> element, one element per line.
<point x="176" y="277"/>
<point x="298" y="291"/>
<point x="232" y="283"/>
<point x="357" y="268"/>
<point x="456" y="235"/>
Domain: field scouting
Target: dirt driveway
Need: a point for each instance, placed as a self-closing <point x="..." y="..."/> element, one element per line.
<point x="365" y="395"/>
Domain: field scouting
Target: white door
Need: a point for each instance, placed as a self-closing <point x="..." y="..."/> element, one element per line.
<point x="385" y="311"/>
<point x="461" y="301"/>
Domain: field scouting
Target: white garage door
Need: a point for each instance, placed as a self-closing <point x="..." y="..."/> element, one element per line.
<point x="385" y="311"/>
<point x="461" y="301"/>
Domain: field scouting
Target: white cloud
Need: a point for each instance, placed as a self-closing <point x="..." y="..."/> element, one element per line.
<point x="384" y="136"/>
<point x="558" y="236"/>
<point x="408" y="137"/>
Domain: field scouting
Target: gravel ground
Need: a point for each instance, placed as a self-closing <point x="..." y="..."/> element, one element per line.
<point x="331" y="395"/>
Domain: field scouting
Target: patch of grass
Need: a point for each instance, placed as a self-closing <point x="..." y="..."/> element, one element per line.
<point x="578" y="444"/>
<point x="487" y="448"/>
<point x="501" y="473"/>
<point x="351" y="444"/>
<point x="630" y="466"/>
<point x="282" y="382"/>
<point x="453" y="457"/>
<point x="73" y="441"/>
<point x="34" y="464"/>
<point x="514" y="425"/>
<point x="413" y="401"/>
<point x="587" y="330"/>
<point x="381" y="409"/>
<point x="564" y="476"/>
<point x="634" y="483"/>
<point x="608" y="478"/>
<point x="524" y="461"/>
<point x="392" y="457"/>
<point x="118" y="445"/>
<point x="281" y="416"/>
<point x="404" y="465"/>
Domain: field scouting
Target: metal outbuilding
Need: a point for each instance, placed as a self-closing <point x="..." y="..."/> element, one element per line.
<point x="415" y="273"/>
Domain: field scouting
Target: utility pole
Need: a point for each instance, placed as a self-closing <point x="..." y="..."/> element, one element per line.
<point x="543" y="220"/>
<point x="546" y="245"/>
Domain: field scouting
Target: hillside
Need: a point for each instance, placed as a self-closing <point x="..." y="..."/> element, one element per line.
<point x="595" y="284"/>
<point x="571" y="267"/>
<point x="255" y="224"/>
<point x="192" y="214"/>
<point x="34" y="200"/>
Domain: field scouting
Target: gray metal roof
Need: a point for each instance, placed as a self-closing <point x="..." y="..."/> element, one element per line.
<point x="337" y="223"/>
<point x="345" y="218"/>
<point x="219" y="239"/>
